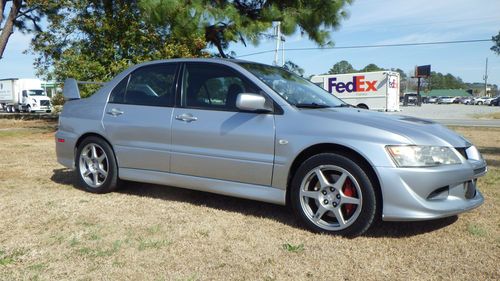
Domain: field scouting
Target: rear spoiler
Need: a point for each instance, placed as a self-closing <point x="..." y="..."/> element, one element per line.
<point x="70" y="89"/>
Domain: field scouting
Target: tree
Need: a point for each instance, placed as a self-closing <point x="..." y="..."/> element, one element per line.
<point x="371" y="67"/>
<point x="439" y="81"/>
<point x="496" y="47"/>
<point x="223" y="22"/>
<point x="95" y="40"/>
<point x="292" y="67"/>
<point x="23" y="16"/>
<point x="341" y="67"/>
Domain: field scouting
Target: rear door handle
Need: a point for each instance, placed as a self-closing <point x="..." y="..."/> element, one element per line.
<point x="186" y="117"/>
<point x="115" y="112"/>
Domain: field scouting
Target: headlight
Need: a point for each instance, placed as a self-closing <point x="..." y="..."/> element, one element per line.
<point x="423" y="156"/>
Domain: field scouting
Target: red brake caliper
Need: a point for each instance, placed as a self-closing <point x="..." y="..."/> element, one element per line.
<point x="349" y="191"/>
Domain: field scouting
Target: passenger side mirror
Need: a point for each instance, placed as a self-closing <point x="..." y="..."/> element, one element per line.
<point x="252" y="102"/>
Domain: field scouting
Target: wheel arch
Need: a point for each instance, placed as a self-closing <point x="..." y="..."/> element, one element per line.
<point x="341" y="150"/>
<point x="91" y="134"/>
<point x="362" y="105"/>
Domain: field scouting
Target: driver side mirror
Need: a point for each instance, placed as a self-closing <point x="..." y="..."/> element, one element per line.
<point x="252" y="102"/>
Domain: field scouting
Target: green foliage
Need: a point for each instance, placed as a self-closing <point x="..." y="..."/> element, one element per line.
<point x="342" y="67"/>
<point x="448" y="81"/>
<point x="57" y="99"/>
<point x="496" y="40"/>
<point x="223" y="22"/>
<point x="95" y="40"/>
<point x="371" y="67"/>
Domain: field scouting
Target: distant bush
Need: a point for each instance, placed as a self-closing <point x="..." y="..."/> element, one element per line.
<point x="58" y="99"/>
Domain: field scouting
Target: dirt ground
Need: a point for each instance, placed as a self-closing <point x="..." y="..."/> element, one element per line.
<point x="52" y="230"/>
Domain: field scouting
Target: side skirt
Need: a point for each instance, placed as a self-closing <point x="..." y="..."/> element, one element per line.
<point x="236" y="189"/>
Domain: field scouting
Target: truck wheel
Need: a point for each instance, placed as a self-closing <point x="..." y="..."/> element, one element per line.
<point x="332" y="194"/>
<point x="96" y="165"/>
<point x="363" y="106"/>
<point x="9" y="108"/>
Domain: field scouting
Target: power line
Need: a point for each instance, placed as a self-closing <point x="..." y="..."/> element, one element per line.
<point x="372" y="46"/>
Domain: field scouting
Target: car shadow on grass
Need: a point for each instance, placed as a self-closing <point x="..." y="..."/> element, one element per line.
<point x="278" y="213"/>
<point x="407" y="229"/>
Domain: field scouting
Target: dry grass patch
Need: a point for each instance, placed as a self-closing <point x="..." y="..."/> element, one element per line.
<point x="494" y="115"/>
<point x="52" y="230"/>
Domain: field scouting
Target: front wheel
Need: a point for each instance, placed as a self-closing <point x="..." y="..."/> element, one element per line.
<point x="330" y="193"/>
<point x="96" y="165"/>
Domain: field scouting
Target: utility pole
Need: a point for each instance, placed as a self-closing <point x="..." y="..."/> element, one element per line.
<point x="277" y="33"/>
<point x="280" y="44"/>
<point x="486" y="79"/>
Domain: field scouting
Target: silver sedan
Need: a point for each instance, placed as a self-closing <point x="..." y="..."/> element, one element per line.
<point x="258" y="132"/>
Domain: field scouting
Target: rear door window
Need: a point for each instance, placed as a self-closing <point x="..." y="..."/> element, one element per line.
<point x="152" y="85"/>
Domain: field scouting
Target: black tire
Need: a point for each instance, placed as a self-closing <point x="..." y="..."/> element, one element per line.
<point x="362" y="106"/>
<point x="303" y="206"/>
<point x="110" y="183"/>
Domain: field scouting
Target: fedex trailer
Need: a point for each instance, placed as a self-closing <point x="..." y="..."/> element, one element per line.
<point x="25" y="95"/>
<point x="377" y="90"/>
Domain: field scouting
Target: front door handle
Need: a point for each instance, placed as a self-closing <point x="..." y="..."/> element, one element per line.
<point x="115" y="112"/>
<point x="186" y="117"/>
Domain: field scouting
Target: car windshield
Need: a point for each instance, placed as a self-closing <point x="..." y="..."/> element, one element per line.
<point x="293" y="88"/>
<point x="35" y="92"/>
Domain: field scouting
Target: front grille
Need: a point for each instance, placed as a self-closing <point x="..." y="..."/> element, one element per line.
<point x="44" y="103"/>
<point x="462" y="150"/>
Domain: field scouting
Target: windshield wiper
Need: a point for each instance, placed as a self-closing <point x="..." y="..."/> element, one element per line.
<point x="344" y="105"/>
<point x="311" y="105"/>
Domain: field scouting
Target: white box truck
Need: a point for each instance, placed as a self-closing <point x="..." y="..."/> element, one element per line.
<point x="377" y="90"/>
<point x="23" y="95"/>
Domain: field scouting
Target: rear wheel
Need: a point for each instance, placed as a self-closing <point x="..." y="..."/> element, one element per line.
<point x="330" y="193"/>
<point x="96" y="165"/>
<point x="363" y="106"/>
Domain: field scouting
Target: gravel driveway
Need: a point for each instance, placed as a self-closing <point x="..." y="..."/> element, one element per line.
<point x="453" y="114"/>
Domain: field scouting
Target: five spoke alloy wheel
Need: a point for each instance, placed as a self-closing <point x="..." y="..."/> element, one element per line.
<point x="333" y="194"/>
<point x="96" y="165"/>
<point x="331" y="197"/>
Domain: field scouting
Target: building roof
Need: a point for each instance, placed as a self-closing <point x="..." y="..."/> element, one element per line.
<point x="446" y="93"/>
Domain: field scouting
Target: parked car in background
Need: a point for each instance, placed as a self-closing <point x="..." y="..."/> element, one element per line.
<point x="446" y="100"/>
<point x="465" y="100"/>
<point x="495" y="101"/>
<point x="432" y="100"/>
<point x="480" y="100"/>
<point x="259" y="132"/>
<point x="488" y="101"/>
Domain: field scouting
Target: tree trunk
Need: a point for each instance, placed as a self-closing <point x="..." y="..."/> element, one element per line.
<point x="2" y="9"/>
<point x="8" y="27"/>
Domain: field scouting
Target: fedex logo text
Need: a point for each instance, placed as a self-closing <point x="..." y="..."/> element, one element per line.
<point x="358" y="84"/>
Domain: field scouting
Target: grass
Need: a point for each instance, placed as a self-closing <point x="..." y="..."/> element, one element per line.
<point x="293" y="248"/>
<point x="52" y="230"/>
<point x="494" y="115"/>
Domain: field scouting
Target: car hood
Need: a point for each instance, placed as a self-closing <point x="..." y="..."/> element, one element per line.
<point x="415" y="130"/>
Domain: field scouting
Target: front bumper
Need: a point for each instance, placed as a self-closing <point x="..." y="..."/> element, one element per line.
<point x="429" y="193"/>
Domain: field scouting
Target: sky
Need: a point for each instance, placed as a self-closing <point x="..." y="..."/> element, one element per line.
<point x="371" y="22"/>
